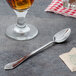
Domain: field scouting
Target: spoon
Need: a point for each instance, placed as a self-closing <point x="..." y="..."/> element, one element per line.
<point x="59" y="37"/>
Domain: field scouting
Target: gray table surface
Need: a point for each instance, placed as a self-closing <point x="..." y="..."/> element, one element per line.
<point x="46" y="63"/>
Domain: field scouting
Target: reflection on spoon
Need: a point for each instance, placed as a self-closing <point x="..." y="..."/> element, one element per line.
<point x="59" y="37"/>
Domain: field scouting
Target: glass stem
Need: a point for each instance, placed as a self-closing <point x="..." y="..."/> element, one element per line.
<point x="21" y="18"/>
<point x="65" y="3"/>
<point x="21" y="22"/>
<point x="21" y="27"/>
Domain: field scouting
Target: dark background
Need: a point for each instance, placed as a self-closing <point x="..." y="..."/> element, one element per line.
<point x="46" y="63"/>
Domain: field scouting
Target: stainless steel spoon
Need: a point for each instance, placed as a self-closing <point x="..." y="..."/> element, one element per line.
<point x="58" y="38"/>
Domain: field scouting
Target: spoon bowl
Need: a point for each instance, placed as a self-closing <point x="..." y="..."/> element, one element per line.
<point x="62" y="35"/>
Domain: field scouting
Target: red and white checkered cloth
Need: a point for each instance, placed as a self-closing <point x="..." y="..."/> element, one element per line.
<point x="57" y="7"/>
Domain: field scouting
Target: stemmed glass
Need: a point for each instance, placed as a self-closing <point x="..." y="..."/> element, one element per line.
<point x="69" y="4"/>
<point x="21" y="30"/>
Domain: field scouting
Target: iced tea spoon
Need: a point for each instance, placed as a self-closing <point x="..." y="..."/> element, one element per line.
<point x="59" y="37"/>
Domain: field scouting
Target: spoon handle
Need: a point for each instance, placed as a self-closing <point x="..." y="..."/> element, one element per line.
<point x="18" y="62"/>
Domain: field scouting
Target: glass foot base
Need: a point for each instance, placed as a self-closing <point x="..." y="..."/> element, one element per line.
<point x="26" y="33"/>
